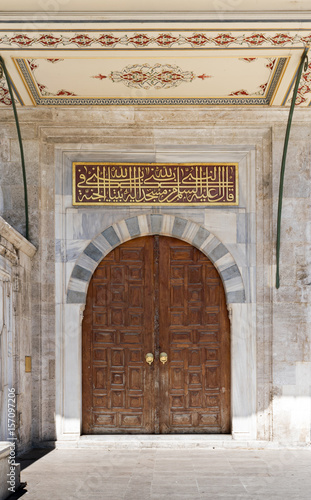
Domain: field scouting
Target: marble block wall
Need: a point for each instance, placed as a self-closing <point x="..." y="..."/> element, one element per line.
<point x="274" y="322"/>
<point x="15" y="335"/>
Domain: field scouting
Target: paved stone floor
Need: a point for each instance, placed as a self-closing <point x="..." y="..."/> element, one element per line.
<point x="159" y="474"/>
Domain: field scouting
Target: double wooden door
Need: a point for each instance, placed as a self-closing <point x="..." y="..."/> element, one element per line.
<point x="156" y="295"/>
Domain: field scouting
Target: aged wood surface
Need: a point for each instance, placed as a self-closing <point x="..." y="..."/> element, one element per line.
<point x="156" y="294"/>
<point x="194" y="331"/>
<point x="118" y="385"/>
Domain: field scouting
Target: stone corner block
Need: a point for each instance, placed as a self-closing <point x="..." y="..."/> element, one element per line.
<point x="111" y="236"/>
<point x="133" y="226"/>
<point x="179" y="226"/>
<point x="236" y="297"/>
<point x="74" y="297"/>
<point x="156" y="221"/>
<point x="93" y="252"/>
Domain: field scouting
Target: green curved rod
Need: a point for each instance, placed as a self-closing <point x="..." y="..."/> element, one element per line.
<point x="289" y="122"/>
<point x="2" y="63"/>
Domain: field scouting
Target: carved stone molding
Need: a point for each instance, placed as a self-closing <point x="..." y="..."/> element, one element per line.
<point x="15" y="240"/>
<point x="8" y="251"/>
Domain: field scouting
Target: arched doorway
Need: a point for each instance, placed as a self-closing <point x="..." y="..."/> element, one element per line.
<point x="155" y="294"/>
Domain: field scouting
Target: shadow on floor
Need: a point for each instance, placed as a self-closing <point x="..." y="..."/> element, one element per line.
<point x="25" y="460"/>
<point x="32" y="456"/>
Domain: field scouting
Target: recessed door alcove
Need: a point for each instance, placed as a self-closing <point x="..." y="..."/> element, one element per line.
<point x="156" y="295"/>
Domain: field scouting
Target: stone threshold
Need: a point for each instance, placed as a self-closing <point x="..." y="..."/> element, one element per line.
<point x="136" y="442"/>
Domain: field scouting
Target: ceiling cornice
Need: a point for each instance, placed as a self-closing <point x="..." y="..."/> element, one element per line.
<point x="157" y="17"/>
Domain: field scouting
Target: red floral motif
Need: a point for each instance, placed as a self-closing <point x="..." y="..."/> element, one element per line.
<point x="41" y="87"/>
<point x="135" y="76"/>
<point x="169" y="77"/>
<point x="46" y="93"/>
<point x="49" y="40"/>
<point x="263" y="88"/>
<point x="100" y="77"/>
<point x="270" y="64"/>
<point x="148" y="76"/>
<point x="197" y="39"/>
<point x="281" y="39"/>
<point x="223" y="39"/>
<point x="158" y="76"/>
<point x="300" y="99"/>
<point x="140" y="40"/>
<point x="248" y="59"/>
<point x="108" y="40"/>
<point x="302" y="91"/>
<point x="22" y="40"/>
<point x="165" y="40"/>
<point x="305" y="88"/>
<point x="307" y="76"/>
<point x="256" y="39"/>
<point x="82" y="40"/>
<point x="32" y="64"/>
<point x="64" y="92"/>
<point x="54" y="60"/>
<point x="203" y="77"/>
<point x="306" y="40"/>
<point x="239" y="92"/>
<point x="5" y="96"/>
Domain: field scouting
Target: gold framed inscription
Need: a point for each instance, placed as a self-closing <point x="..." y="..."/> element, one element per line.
<point x="155" y="183"/>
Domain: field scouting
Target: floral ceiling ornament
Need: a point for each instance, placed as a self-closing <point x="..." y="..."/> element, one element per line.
<point x="145" y="76"/>
<point x="248" y="59"/>
<point x="33" y="65"/>
<point x="4" y="94"/>
<point x="158" y="76"/>
<point x="53" y="60"/>
<point x="261" y="88"/>
<point x="304" y="87"/>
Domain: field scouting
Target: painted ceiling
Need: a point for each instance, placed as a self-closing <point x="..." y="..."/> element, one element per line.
<point x="150" y="63"/>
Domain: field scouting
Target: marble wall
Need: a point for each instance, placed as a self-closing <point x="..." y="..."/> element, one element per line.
<point x="15" y="335"/>
<point x="271" y="358"/>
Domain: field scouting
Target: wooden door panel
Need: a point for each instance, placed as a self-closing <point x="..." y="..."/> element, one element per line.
<point x="156" y="294"/>
<point x="118" y="385"/>
<point x="194" y="331"/>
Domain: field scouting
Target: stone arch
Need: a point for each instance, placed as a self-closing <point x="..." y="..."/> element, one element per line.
<point x="152" y="224"/>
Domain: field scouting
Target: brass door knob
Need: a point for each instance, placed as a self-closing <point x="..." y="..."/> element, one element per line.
<point x="149" y="358"/>
<point x="163" y="357"/>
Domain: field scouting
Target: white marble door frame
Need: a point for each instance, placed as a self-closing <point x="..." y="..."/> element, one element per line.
<point x="77" y="255"/>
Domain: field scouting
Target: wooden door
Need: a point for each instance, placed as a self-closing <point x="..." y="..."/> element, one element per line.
<point x="195" y="333"/>
<point x="118" y="330"/>
<point x="156" y="294"/>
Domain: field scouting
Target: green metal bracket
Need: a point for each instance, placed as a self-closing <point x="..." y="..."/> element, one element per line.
<point x="289" y="123"/>
<point x="2" y="65"/>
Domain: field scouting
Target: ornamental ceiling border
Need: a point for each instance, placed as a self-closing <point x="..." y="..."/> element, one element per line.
<point x="69" y="98"/>
<point x="178" y="39"/>
<point x="52" y="42"/>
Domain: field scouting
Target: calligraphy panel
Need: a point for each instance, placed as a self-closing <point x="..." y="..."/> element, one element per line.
<point x="155" y="183"/>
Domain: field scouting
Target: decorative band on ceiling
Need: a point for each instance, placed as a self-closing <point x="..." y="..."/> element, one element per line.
<point x="151" y="38"/>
